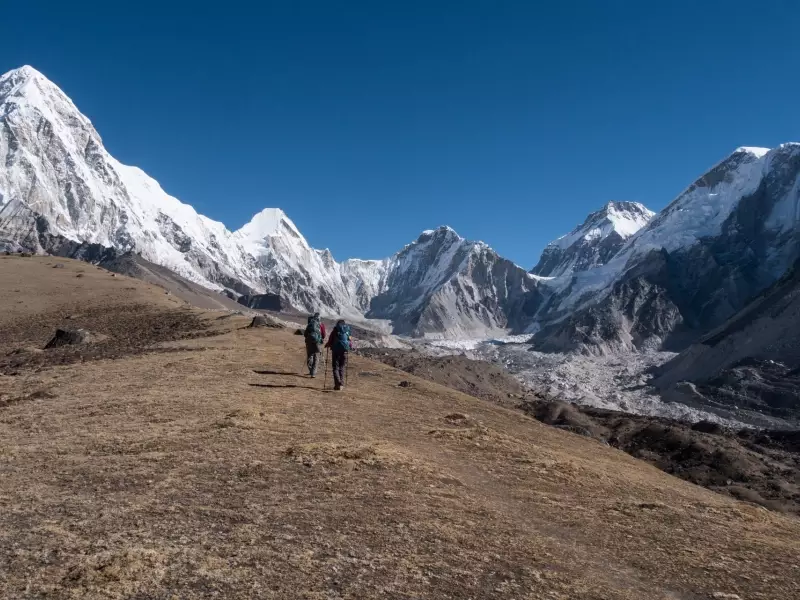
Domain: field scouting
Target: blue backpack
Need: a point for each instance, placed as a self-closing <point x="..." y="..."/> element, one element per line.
<point x="342" y="342"/>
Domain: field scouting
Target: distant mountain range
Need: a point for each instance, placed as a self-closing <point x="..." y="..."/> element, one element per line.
<point x="625" y="279"/>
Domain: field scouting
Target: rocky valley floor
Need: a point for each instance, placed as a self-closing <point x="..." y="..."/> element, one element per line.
<point x="186" y="457"/>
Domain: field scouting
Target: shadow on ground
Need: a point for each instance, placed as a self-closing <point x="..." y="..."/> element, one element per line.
<point x="267" y="372"/>
<point x="290" y="385"/>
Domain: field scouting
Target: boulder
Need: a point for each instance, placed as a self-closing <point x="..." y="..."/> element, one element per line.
<point x="71" y="337"/>
<point x="263" y="321"/>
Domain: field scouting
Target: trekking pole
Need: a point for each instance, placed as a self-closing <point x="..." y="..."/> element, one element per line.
<point x="325" y="381"/>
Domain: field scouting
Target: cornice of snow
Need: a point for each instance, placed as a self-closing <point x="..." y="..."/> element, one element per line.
<point x="754" y="150"/>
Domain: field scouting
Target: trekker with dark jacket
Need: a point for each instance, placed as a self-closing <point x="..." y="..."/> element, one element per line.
<point x="340" y="344"/>
<point x="315" y="336"/>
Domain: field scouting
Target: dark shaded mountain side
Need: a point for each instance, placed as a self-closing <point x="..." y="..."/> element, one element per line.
<point x="751" y="362"/>
<point x="272" y="302"/>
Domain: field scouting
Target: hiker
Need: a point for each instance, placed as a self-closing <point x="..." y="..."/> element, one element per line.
<point x="340" y="344"/>
<point x="315" y="336"/>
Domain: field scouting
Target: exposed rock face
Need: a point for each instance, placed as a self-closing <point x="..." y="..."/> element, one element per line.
<point x="750" y="363"/>
<point x="443" y="284"/>
<point x="263" y="302"/>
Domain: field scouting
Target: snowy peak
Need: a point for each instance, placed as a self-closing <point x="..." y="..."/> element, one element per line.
<point x="29" y="93"/>
<point x="594" y="242"/>
<point x="443" y="231"/>
<point x="270" y="222"/>
<point x="13" y="82"/>
<point x="622" y="218"/>
<point x="627" y="218"/>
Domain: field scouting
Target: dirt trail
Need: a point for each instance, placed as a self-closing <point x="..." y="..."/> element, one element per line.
<point x="214" y="470"/>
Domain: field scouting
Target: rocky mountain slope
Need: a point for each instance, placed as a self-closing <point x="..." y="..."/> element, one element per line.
<point x="724" y="240"/>
<point x="751" y="362"/>
<point x="444" y="284"/>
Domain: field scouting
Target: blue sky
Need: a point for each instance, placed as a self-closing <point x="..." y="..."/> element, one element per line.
<point x="368" y="122"/>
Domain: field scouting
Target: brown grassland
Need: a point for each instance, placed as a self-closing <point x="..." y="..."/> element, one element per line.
<point x="183" y="456"/>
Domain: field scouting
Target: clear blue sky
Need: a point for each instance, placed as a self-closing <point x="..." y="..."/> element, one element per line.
<point x="368" y="122"/>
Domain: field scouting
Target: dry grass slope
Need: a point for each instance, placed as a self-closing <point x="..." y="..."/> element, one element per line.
<point x="144" y="473"/>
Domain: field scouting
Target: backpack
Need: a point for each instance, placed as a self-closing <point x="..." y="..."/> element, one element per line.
<point x="342" y="338"/>
<point x="313" y="332"/>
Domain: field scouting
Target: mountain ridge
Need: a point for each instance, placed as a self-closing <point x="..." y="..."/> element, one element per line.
<point x="625" y="279"/>
<point x="64" y="189"/>
<point x="595" y="241"/>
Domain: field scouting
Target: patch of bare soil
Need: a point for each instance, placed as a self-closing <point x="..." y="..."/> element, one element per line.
<point x="760" y="467"/>
<point x="117" y="332"/>
<point x="116" y="316"/>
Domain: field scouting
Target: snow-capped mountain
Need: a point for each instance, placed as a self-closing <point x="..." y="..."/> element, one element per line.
<point x="623" y="279"/>
<point x="61" y="192"/>
<point x="306" y="278"/>
<point x="595" y="242"/>
<point x="445" y="285"/>
<point x="57" y="183"/>
<point x="728" y="237"/>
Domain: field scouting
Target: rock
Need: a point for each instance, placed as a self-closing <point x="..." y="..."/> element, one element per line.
<point x="299" y="332"/>
<point x="263" y="321"/>
<point x="708" y="427"/>
<point x="79" y="275"/>
<point x="72" y="337"/>
<point x="404" y="384"/>
<point x="725" y="596"/>
<point x="58" y="266"/>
